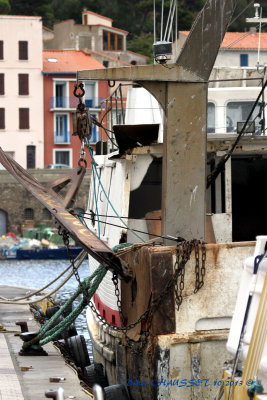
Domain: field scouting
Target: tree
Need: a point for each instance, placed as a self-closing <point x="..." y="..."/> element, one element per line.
<point x="4" y="7"/>
<point x="42" y="8"/>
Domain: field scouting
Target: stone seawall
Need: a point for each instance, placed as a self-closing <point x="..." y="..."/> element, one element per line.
<point x="17" y="204"/>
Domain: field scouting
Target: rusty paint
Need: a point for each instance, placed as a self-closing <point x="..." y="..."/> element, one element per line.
<point x="200" y="336"/>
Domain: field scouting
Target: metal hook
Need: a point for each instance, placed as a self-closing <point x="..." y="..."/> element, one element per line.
<point x="79" y="95"/>
<point x="111" y="85"/>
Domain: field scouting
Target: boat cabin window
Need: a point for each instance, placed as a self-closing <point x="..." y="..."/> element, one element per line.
<point x="237" y="111"/>
<point x="211" y="118"/>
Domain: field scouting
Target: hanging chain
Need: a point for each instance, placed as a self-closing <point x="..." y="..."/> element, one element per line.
<point x="65" y="238"/>
<point x="117" y="294"/>
<point x="183" y="253"/>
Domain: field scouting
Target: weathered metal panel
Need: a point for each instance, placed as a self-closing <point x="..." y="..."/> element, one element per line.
<point x="207" y="33"/>
<point x="214" y="302"/>
<point x="184" y="162"/>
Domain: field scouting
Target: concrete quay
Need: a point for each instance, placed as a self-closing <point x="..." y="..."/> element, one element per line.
<point x="31" y="384"/>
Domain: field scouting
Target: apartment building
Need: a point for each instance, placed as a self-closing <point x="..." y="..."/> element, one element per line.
<point x="21" y="89"/>
<point x="59" y="74"/>
<point x="97" y="36"/>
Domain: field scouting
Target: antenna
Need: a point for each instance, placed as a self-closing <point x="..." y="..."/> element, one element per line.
<point x="259" y="20"/>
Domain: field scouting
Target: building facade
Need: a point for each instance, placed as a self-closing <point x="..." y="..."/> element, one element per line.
<point x="238" y="49"/>
<point x="95" y="35"/>
<point x="21" y="89"/>
<point x="59" y="72"/>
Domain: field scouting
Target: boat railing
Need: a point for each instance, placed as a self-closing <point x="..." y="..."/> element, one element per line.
<point x="113" y="111"/>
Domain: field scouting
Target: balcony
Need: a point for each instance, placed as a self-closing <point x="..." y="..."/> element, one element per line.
<point x="72" y="101"/>
<point x="62" y="137"/>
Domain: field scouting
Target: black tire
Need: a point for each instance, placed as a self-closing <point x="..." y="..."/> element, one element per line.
<point x="68" y="310"/>
<point x="72" y="331"/>
<point x="51" y="311"/>
<point x="95" y="374"/>
<point x="78" y="351"/>
<point x="116" y="392"/>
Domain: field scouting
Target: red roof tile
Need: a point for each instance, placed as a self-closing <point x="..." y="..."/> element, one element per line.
<point x="68" y="61"/>
<point x="241" y="40"/>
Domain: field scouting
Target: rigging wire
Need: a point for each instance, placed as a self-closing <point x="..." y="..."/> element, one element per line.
<point x="178" y="239"/>
<point x="81" y="256"/>
<point x="103" y="189"/>
<point x="115" y="216"/>
<point x="239" y="39"/>
<point x="241" y="13"/>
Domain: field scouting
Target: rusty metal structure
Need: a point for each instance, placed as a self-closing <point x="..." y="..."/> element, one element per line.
<point x="61" y="208"/>
<point x="181" y="90"/>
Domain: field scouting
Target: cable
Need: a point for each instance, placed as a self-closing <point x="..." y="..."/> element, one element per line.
<point x="49" y="284"/>
<point x="52" y="291"/>
<point x="241" y="13"/>
<point x="115" y="216"/>
<point x="178" y="239"/>
<point x="211" y="178"/>
<point x="98" y="177"/>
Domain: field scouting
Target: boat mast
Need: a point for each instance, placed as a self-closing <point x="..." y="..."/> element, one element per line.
<point x="181" y="89"/>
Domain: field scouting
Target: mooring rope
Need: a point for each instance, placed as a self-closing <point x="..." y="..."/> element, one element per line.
<point x="47" y="332"/>
<point x="16" y="300"/>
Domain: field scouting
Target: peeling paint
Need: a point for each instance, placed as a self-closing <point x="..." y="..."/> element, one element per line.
<point x="171" y="102"/>
<point x="193" y="195"/>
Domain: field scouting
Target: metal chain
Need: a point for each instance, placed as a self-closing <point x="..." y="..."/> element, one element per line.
<point x="65" y="238"/>
<point x="183" y="253"/>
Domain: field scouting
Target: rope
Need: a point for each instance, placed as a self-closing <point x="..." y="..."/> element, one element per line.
<point x="47" y="332"/>
<point x="103" y="189"/>
<point x="93" y="170"/>
<point x="82" y="255"/>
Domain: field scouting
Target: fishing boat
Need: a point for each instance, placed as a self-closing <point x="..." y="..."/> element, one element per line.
<point x="159" y="321"/>
<point x="184" y="202"/>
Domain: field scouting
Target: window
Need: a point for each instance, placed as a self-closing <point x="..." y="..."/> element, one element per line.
<point x="211" y="118"/>
<point x="60" y="92"/>
<point x="23" y="84"/>
<point x="62" y="157"/>
<point x="62" y="134"/>
<point x="24" y="120"/>
<point x="2" y="84"/>
<point x="28" y="213"/>
<point x="89" y="97"/>
<point x="23" y="50"/>
<point x="95" y="132"/>
<point x="112" y="41"/>
<point x="30" y="156"/>
<point x="237" y="111"/>
<point x="1" y="50"/>
<point x="243" y="60"/>
<point x="2" y="118"/>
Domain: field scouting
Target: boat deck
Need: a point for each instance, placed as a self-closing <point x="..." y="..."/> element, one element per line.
<point x="31" y="384"/>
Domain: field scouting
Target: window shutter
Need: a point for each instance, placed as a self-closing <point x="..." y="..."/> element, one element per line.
<point x="2" y="118"/>
<point x="23" y="84"/>
<point x="1" y="50"/>
<point x="30" y="156"/>
<point x="2" y="83"/>
<point x="24" y="122"/>
<point x="23" y="50"/>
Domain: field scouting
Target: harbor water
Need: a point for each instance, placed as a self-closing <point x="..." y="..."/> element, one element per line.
<point x="38" y="273"/>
